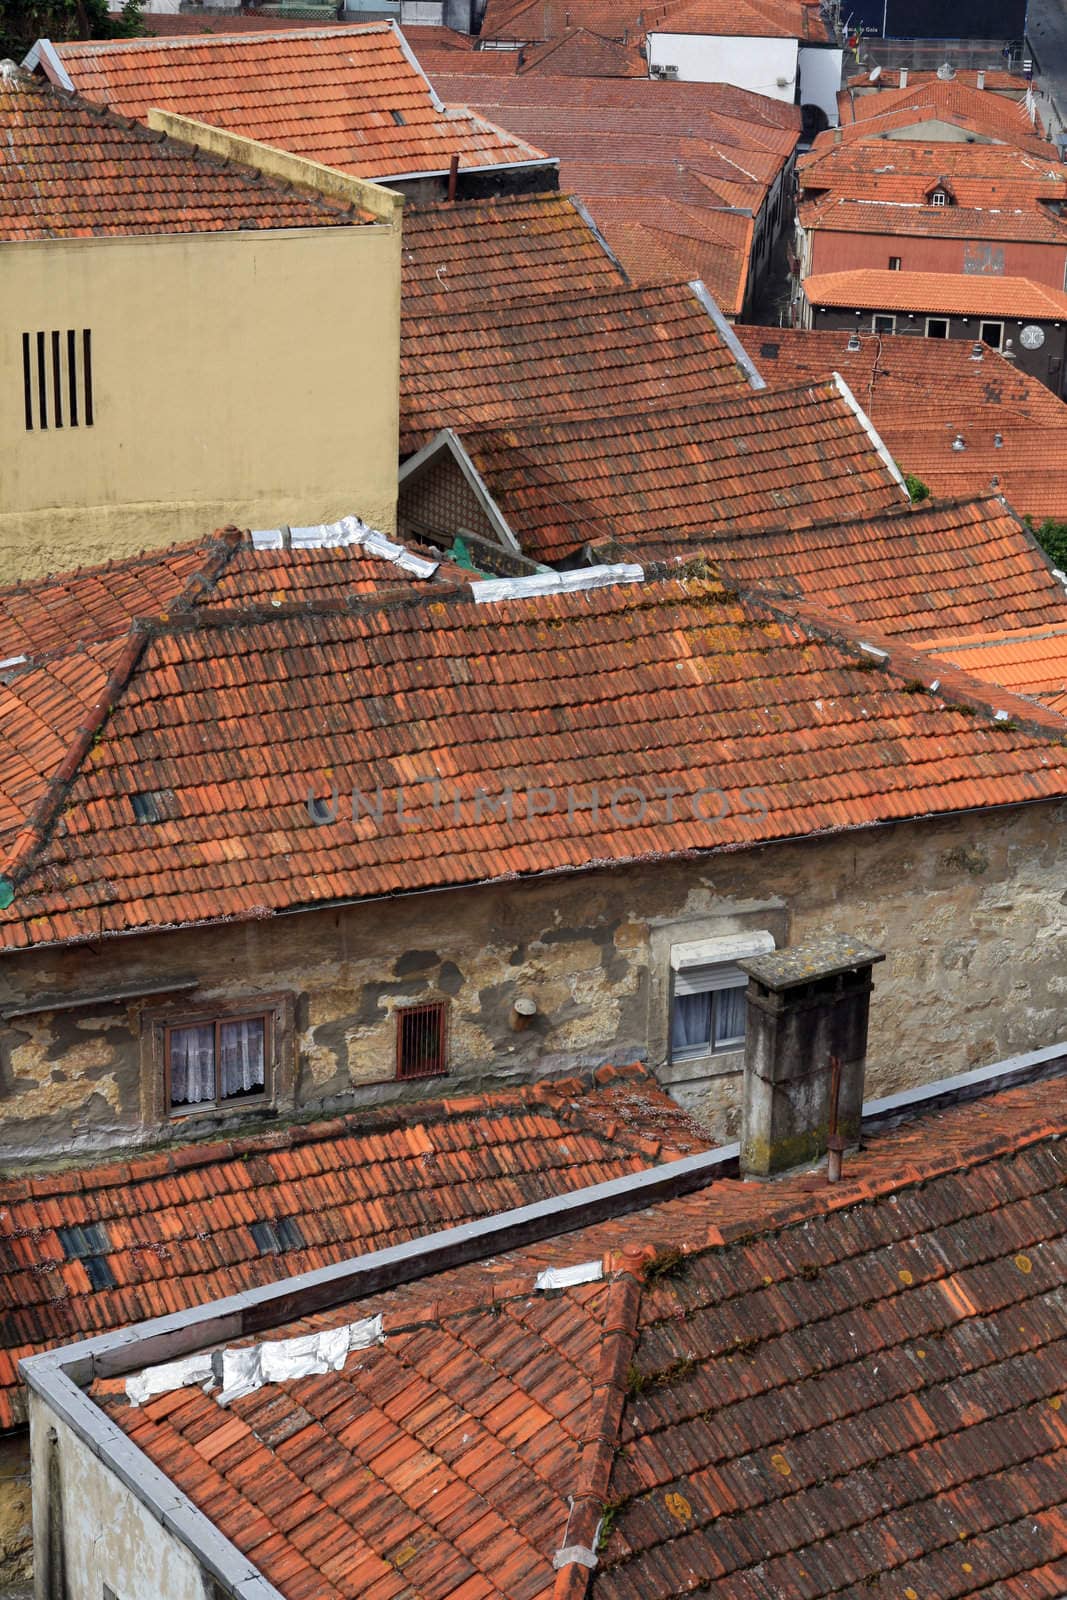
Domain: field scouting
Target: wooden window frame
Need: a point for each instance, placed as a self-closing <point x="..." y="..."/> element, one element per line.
<point x="217" y="1021"/>
<point x="440" y="1008"/>
<point x="280" y="1057"/>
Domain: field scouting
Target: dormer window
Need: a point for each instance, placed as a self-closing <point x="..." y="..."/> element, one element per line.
<point x="938" y="197"/>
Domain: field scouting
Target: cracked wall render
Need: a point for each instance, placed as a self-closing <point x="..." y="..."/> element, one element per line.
<point x="970" y="911"/>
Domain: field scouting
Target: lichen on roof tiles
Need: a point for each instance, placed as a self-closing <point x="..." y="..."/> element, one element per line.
<point x="806" y="1390"/>
<point x="188" y="1223"/>
<point x="69" y="171"/>
<point x="349" y="97"/>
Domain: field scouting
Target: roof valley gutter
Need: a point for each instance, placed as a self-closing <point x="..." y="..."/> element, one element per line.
<point x="58" y="1377"/>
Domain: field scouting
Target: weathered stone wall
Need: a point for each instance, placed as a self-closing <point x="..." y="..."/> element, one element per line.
<point x="971" y="912"/>
<point x="16" y="1538"/>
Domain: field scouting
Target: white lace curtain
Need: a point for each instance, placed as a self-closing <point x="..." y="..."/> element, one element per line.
<point x="241" y="1057"/>
<point x="196" y="1076"/>
<point x="192" y="1065"/>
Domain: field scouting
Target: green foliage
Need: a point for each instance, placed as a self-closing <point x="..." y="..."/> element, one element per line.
<point x="917" y="489"/>
<point x="1052" y="537"/>
<point x="23" y="22"/>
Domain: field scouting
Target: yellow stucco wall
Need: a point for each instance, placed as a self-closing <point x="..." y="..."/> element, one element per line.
<point x="247" y="377"/>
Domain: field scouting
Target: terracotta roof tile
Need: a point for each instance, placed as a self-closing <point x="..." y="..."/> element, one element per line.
<point x="582" y="54"/>
<point x="618" y="349"/>
<point x="906" y="218"/>
<point x="679" y="473"/>
<point x="69" y="171"/>
<point x="174" y="1228"/>
<point x="64" y="636"/>
<point x="479" y="253"/>
<point x="664" y="175"/>
<point x="549" y="19"/>
<point x="928" y="571"/>
<point x="923" y="394"/>
<point x="580" y="689"/>
<point x="925" y="93"/>
<point x="830" y="1389"/>
<point x="955" y="294"/>
<point x="349" y="97"/>
<point x="1031" y="661"/>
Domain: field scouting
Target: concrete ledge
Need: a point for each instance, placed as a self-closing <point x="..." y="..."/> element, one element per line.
<point x="280" y="165"/>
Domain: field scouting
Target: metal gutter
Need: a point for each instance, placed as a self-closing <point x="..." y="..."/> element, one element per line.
<point x="728" y="336"/>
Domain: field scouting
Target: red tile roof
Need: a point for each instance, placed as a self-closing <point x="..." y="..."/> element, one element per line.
<point x="912" y="219"/>
<point x="953" y="294"/>
<point x="616" y="350"/>
<point x="680" y="241"/>
<point x="1032" y="661"/>
<point x="646" y="161"/>
<point x="171" y="1229"/>
<point x="925" y="96"/>
<point x="583" y="54"/>
<point x="70" y="171"/>
<point x="650" y="683"/>
<point x="549" y="19"/>
<point x="923" y="394"/>
<point x="349" y="97"/>
<point x="477" y="253"/>
<point x="46" y="615"/>
<point x="927" y="571"/>
<point x="654" y="481"/>
<point x="787" y="1390"/>
<point x="64" y="636"/>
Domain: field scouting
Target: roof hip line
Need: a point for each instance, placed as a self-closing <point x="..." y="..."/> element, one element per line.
<point x="600" y="1437"/>
<point x="32" y="835"/>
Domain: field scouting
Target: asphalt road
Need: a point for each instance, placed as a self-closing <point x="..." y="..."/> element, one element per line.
<point x="1047" y="32"/>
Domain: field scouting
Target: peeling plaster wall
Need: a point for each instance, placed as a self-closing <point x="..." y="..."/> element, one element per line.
<point x="16" y="1564"/>
<point x="971" y="912"/>
<point x="105" y="1535"/>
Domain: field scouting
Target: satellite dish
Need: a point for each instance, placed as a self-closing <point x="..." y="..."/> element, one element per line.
<point x="875" y="75"/>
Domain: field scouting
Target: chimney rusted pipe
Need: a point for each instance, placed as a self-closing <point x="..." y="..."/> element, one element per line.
<point x="835" y="1144"/>
<point x="453" y="175"/>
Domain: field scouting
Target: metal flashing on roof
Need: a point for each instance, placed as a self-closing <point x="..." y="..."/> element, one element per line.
<point x="338" y="536"/>
<point x="872" y="432"/>
<point x="728" y="336"/>
<point x="44" y="55"/>
<point x="282" y="1360"/>
<point x="569" y="1277"/>
<point x="555" y="582"/>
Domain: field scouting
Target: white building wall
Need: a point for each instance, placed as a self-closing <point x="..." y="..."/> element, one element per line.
<point x="820" y="79"/>
<point x="766" y="66"/>
<point x="109" y="1537"/>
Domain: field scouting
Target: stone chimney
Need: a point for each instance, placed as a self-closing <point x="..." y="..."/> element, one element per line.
<point x="807" y="1009"/>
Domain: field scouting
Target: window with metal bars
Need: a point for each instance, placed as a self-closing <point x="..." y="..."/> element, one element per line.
<point x="57" y="379"/>
<point x="422" y="1040"/>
